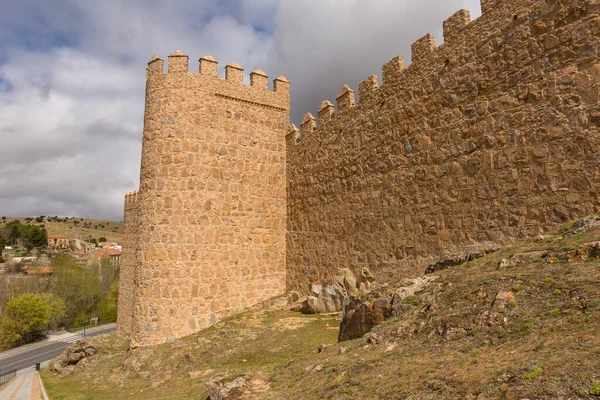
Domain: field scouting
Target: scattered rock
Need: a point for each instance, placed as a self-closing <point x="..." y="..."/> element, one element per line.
<point x="293" y="297"/>
<point x="322" y="348"/>
<point x="224" y="387"/>
<point x="156" y="384"/>
<point x="412" y="286"/>
<point x="145" y="375"/>
<point x="503" y="298"/>
<point x="361" y="314"/>
<point x="457" y="260"/>
<point x="372" y="338"/>
<point x="390" y="347"/>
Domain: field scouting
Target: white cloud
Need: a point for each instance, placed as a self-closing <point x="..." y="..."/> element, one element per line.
<point x="72" y="78"/>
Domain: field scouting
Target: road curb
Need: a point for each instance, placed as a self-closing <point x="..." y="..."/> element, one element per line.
<point x="43" y="389"/>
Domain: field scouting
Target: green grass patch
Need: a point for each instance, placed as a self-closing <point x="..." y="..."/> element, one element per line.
<point x="554" y="312"/>
<point x="594" y="303"/>
<point x="595" y="389"/>
<point x="549" y="280"/>
<point x="533" y="371"/>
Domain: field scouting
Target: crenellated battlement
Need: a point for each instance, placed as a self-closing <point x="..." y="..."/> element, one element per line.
<point x="131" y="197"/>
<point x="210" y="211"/>
<point x="178" y="63"/>
<point x="455" y="25"/>
<point x="490" y="136"/>
<point x="427" y="58"/>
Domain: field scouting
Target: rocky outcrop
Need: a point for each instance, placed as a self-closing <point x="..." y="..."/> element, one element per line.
<point x="64" y="363"/>
<point x="362" y="313"/>
<point x="329" y="296"/>
<point x="458" y="260"/>
<point x="224" y="387"/>
<point x="230" y="387"/>
<point x="582" y="253"/>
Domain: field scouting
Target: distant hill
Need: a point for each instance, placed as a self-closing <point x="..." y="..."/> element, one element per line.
<point x="73" y="227"/>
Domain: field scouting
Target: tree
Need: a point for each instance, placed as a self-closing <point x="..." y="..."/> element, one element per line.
<point x="23" y="318"/>
<point x="102" y="239"/>
<point x="58" y="310"/>
<point x="93" y="240"/>
<point x="107" y="308"/>
<point x="29" y="236"/>
<point x="79" y="288"/>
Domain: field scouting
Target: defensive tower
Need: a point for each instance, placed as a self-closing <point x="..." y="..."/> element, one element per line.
<point x="492" y="136"/>
<point x="205" y="234"/>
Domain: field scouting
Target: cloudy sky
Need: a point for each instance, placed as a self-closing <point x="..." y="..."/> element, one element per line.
<point x="72" y="77"/>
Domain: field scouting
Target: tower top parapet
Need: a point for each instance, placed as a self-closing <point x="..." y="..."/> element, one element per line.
<point x="232" y="86"/>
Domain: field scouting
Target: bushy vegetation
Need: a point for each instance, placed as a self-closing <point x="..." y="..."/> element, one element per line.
<point x="28" y="236"/>
<point x="29" y="306"/>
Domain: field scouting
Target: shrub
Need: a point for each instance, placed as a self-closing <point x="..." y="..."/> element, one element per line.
<point x="554" y="312"/>
<point x="411" y="298"/>
<point x="595" y="389"/>
<point x="511" y="305"/>
<point x="23" y="318"/>
<point x="592" y="303"/>
<point x="533" y="371"/>
<point x="549" y="280"/>
<point x="528" y="322"/>
<point x="557" y="292"/>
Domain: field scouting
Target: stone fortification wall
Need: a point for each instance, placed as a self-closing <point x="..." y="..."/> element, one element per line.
<point x="125" y="314"/>
<point x="490" y="137"/>
<point x="210" y="235"/>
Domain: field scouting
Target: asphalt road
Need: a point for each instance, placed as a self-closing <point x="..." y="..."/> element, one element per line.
<point x="29" y="358"/>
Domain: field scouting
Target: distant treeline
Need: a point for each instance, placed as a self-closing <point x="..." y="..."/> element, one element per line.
<point x="28" y="236"/>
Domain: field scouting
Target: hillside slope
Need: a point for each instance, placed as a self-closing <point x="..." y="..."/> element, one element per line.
<point x="80" y="228"/>
<point x="522" y="322"/>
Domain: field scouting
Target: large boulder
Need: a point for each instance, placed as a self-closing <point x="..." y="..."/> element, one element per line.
<point x="72" y="356"/>
<point x="328" y="296"/>
<point x="368" y="309"/>
<point x="360" y="316"/>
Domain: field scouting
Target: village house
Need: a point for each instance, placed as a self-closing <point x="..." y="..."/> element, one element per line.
<point x="82" y="246"/>
<point x="58" y="242"/>
<point x="113" y="255"/>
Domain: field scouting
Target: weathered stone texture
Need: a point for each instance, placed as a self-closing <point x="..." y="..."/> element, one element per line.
<point x="490" y="137"/>
<point x="125" y="315"/>
<point x="210" y="225"/>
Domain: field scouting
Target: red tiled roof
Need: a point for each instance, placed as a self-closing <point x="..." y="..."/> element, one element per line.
<point x="100" y="254"/>
<point x="112" y="252"/>
<point x="39" y="271"/>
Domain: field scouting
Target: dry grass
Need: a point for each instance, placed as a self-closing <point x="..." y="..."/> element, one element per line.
<point x="81" y="228"/>
<point x="453" y="344"/>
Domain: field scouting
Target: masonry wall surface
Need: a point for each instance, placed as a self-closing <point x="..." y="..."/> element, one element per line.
<point x="125" y="311"/>
<point x="210" y="235"/>
<point x="490" y="137"/>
